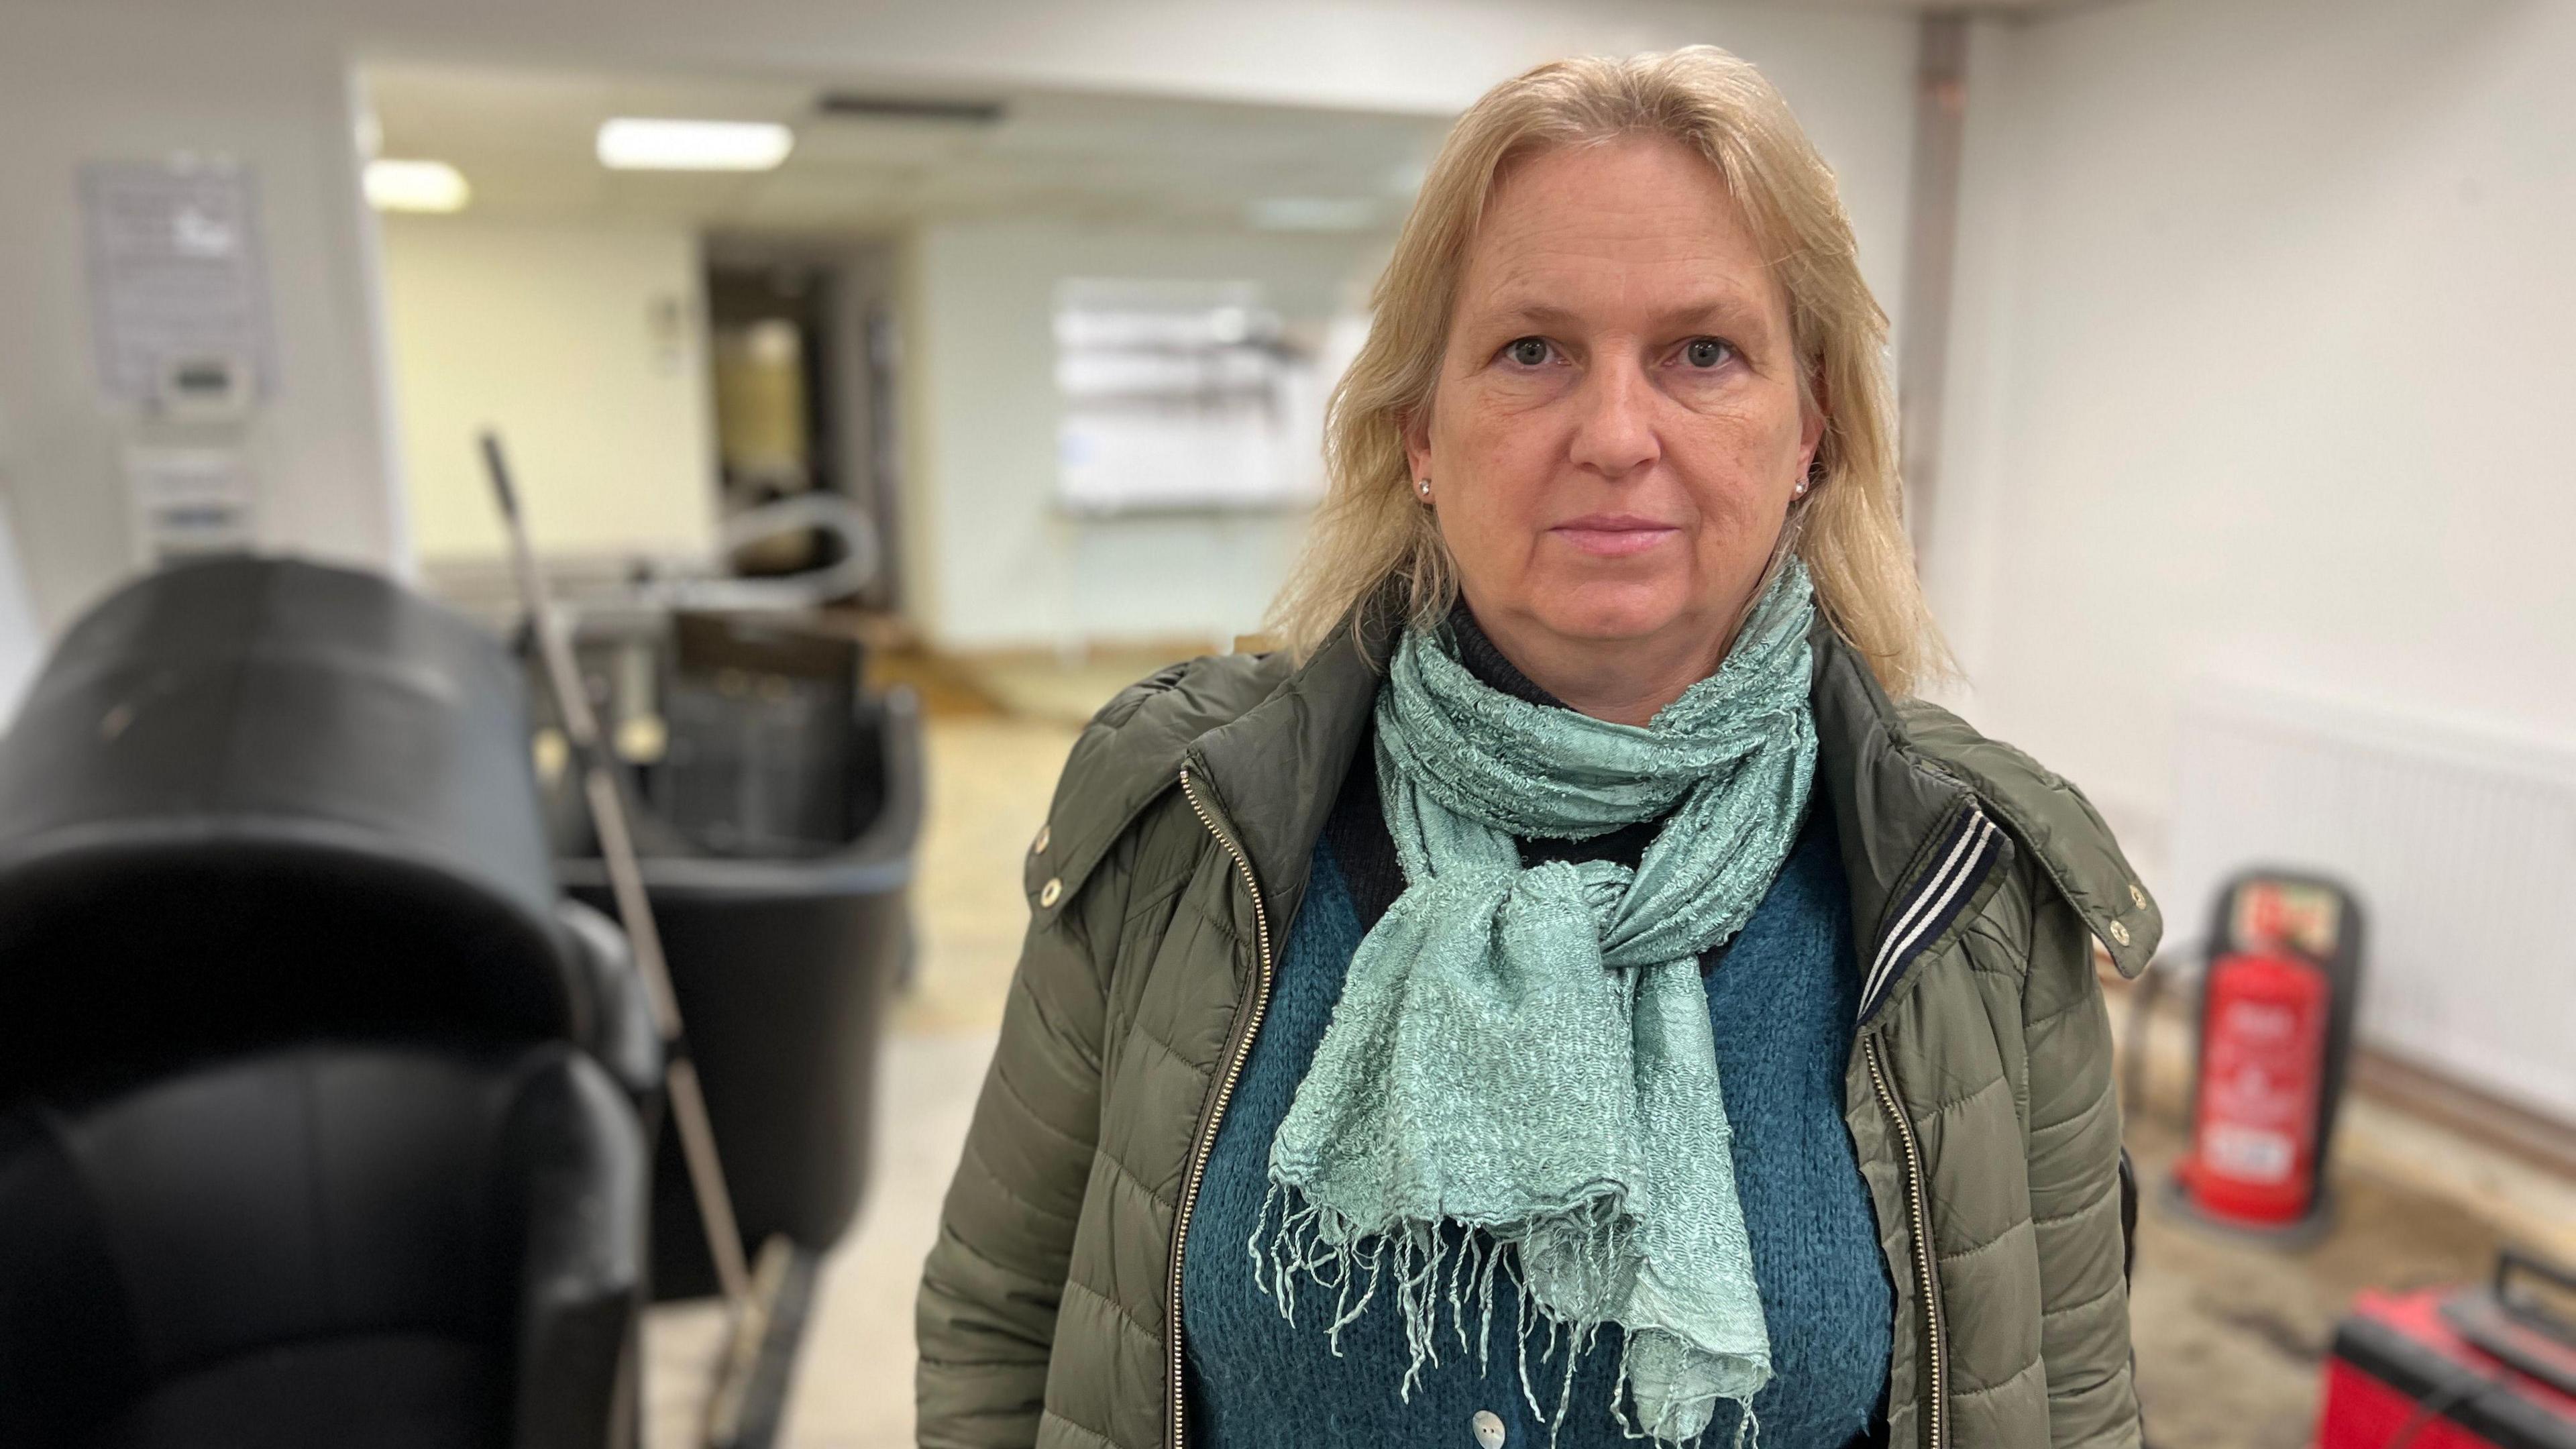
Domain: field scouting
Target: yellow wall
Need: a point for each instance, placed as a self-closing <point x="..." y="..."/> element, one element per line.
<point x="586" y="347"/>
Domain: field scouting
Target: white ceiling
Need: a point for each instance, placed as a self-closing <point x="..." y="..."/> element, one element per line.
<point x="524" y="141"/>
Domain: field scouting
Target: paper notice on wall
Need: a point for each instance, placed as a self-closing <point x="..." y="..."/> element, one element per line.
<point x="176" y="275"/>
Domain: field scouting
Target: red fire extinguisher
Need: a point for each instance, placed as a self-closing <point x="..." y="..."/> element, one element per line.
<point x="2254" y="1144"/>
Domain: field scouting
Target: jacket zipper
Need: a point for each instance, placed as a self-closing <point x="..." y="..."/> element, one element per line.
<point x="1918" y="1215"/>
<point x="1224" y="1095"/>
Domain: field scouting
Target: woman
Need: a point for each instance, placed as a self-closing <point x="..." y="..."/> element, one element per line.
<point x="1573" y="993"/>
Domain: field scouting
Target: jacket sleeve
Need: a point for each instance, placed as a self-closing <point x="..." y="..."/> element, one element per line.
<point x="2074" y="1146"/>
<point x="986" y="1315"/>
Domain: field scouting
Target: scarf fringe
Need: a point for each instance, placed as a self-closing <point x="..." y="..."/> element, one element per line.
<point x="1336" y="1256"/>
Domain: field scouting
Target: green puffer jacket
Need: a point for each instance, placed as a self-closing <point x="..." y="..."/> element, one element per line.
<point x="1979" y="1091"/>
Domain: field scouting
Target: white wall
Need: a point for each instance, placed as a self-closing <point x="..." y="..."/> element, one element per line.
<point x="586" y="348"/>
<point x="268" y="80"/>
<point x="99" y="83"/>
<point x="991" y="561"/>
<point x="21" y="642"/>
<point x="2270" y="375"/>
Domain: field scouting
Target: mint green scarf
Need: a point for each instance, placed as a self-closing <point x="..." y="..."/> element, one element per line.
<point x="1527" y="1052"/>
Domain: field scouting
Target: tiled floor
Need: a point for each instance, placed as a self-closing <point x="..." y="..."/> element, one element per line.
<point x="854" y="1387"/>
<point x="990" y="781"/>
<point x="2229" y="1336"/>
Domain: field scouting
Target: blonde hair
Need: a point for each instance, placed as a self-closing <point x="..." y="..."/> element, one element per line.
<point x="1370" y="532"/>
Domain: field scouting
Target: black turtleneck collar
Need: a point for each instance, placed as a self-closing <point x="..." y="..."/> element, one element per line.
<point x="1477" y="650"/>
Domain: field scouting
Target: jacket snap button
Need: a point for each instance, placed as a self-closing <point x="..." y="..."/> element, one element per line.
<point x="1039" y="845"/>
<point x="1489" y="1429"/>
<point x="2119" y="934"/>
<point x="2137" y="895"/>
<point x="1048" y="893"/>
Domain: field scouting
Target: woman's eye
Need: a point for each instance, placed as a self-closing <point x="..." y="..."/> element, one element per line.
<point x="1706" y="351"/>
<point x="1528" y="351"/>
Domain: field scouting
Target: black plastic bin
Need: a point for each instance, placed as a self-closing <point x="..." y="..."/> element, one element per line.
<point x="784" y="943"/>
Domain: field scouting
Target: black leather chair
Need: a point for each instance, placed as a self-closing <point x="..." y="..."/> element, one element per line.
<point x="252" y="799"/>
<point x="319" y="1112"/>
<point x="403" y="1248"/>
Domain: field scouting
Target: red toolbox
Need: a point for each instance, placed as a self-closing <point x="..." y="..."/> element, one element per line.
<point x="2452" y="1368"/>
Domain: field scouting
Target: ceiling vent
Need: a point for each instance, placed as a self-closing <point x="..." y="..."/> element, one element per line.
<point x="861" y="106"/>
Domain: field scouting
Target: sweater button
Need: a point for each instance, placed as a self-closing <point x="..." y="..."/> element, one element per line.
<point x="1489" y="1428"/>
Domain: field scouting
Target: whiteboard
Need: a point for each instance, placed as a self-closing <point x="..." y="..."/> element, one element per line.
<point x="1183" y="396"/>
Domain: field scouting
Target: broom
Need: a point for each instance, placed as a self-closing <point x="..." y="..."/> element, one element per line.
<point x="763" y="1311"/>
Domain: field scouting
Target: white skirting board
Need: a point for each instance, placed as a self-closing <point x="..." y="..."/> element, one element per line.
<point x="2460" y="842"/>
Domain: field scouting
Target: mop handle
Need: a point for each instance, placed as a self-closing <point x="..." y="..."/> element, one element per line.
<point x="626" y="883"/>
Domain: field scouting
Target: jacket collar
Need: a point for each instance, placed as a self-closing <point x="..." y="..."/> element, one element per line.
<point x="1919" y="851"/>
<point x="1275" y="769"/>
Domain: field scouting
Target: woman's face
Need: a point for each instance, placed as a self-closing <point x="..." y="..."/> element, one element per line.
<point x="1616" y="431"/>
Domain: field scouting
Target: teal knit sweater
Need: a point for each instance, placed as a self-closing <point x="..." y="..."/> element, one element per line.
<point x="1781" y="1000"/>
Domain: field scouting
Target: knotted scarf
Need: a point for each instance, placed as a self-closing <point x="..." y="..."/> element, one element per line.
<point x="1520" y="1072"/>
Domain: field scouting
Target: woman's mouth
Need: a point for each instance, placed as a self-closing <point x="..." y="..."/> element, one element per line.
<point x="1613" y="535"/>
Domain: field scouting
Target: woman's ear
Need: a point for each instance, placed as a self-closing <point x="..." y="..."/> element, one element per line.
<point x="1811" y="424"/>
<point x="1414" y="424"/>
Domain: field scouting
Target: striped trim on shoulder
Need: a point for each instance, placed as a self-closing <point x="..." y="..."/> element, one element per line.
<point x="1966" y="855"/>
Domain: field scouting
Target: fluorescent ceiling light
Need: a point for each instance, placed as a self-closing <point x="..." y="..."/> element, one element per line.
<point x="416" y="186"/>
<point x="632" y="144"/>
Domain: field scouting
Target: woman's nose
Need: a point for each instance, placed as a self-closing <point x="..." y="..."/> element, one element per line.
<point x="1614" y="430"/>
